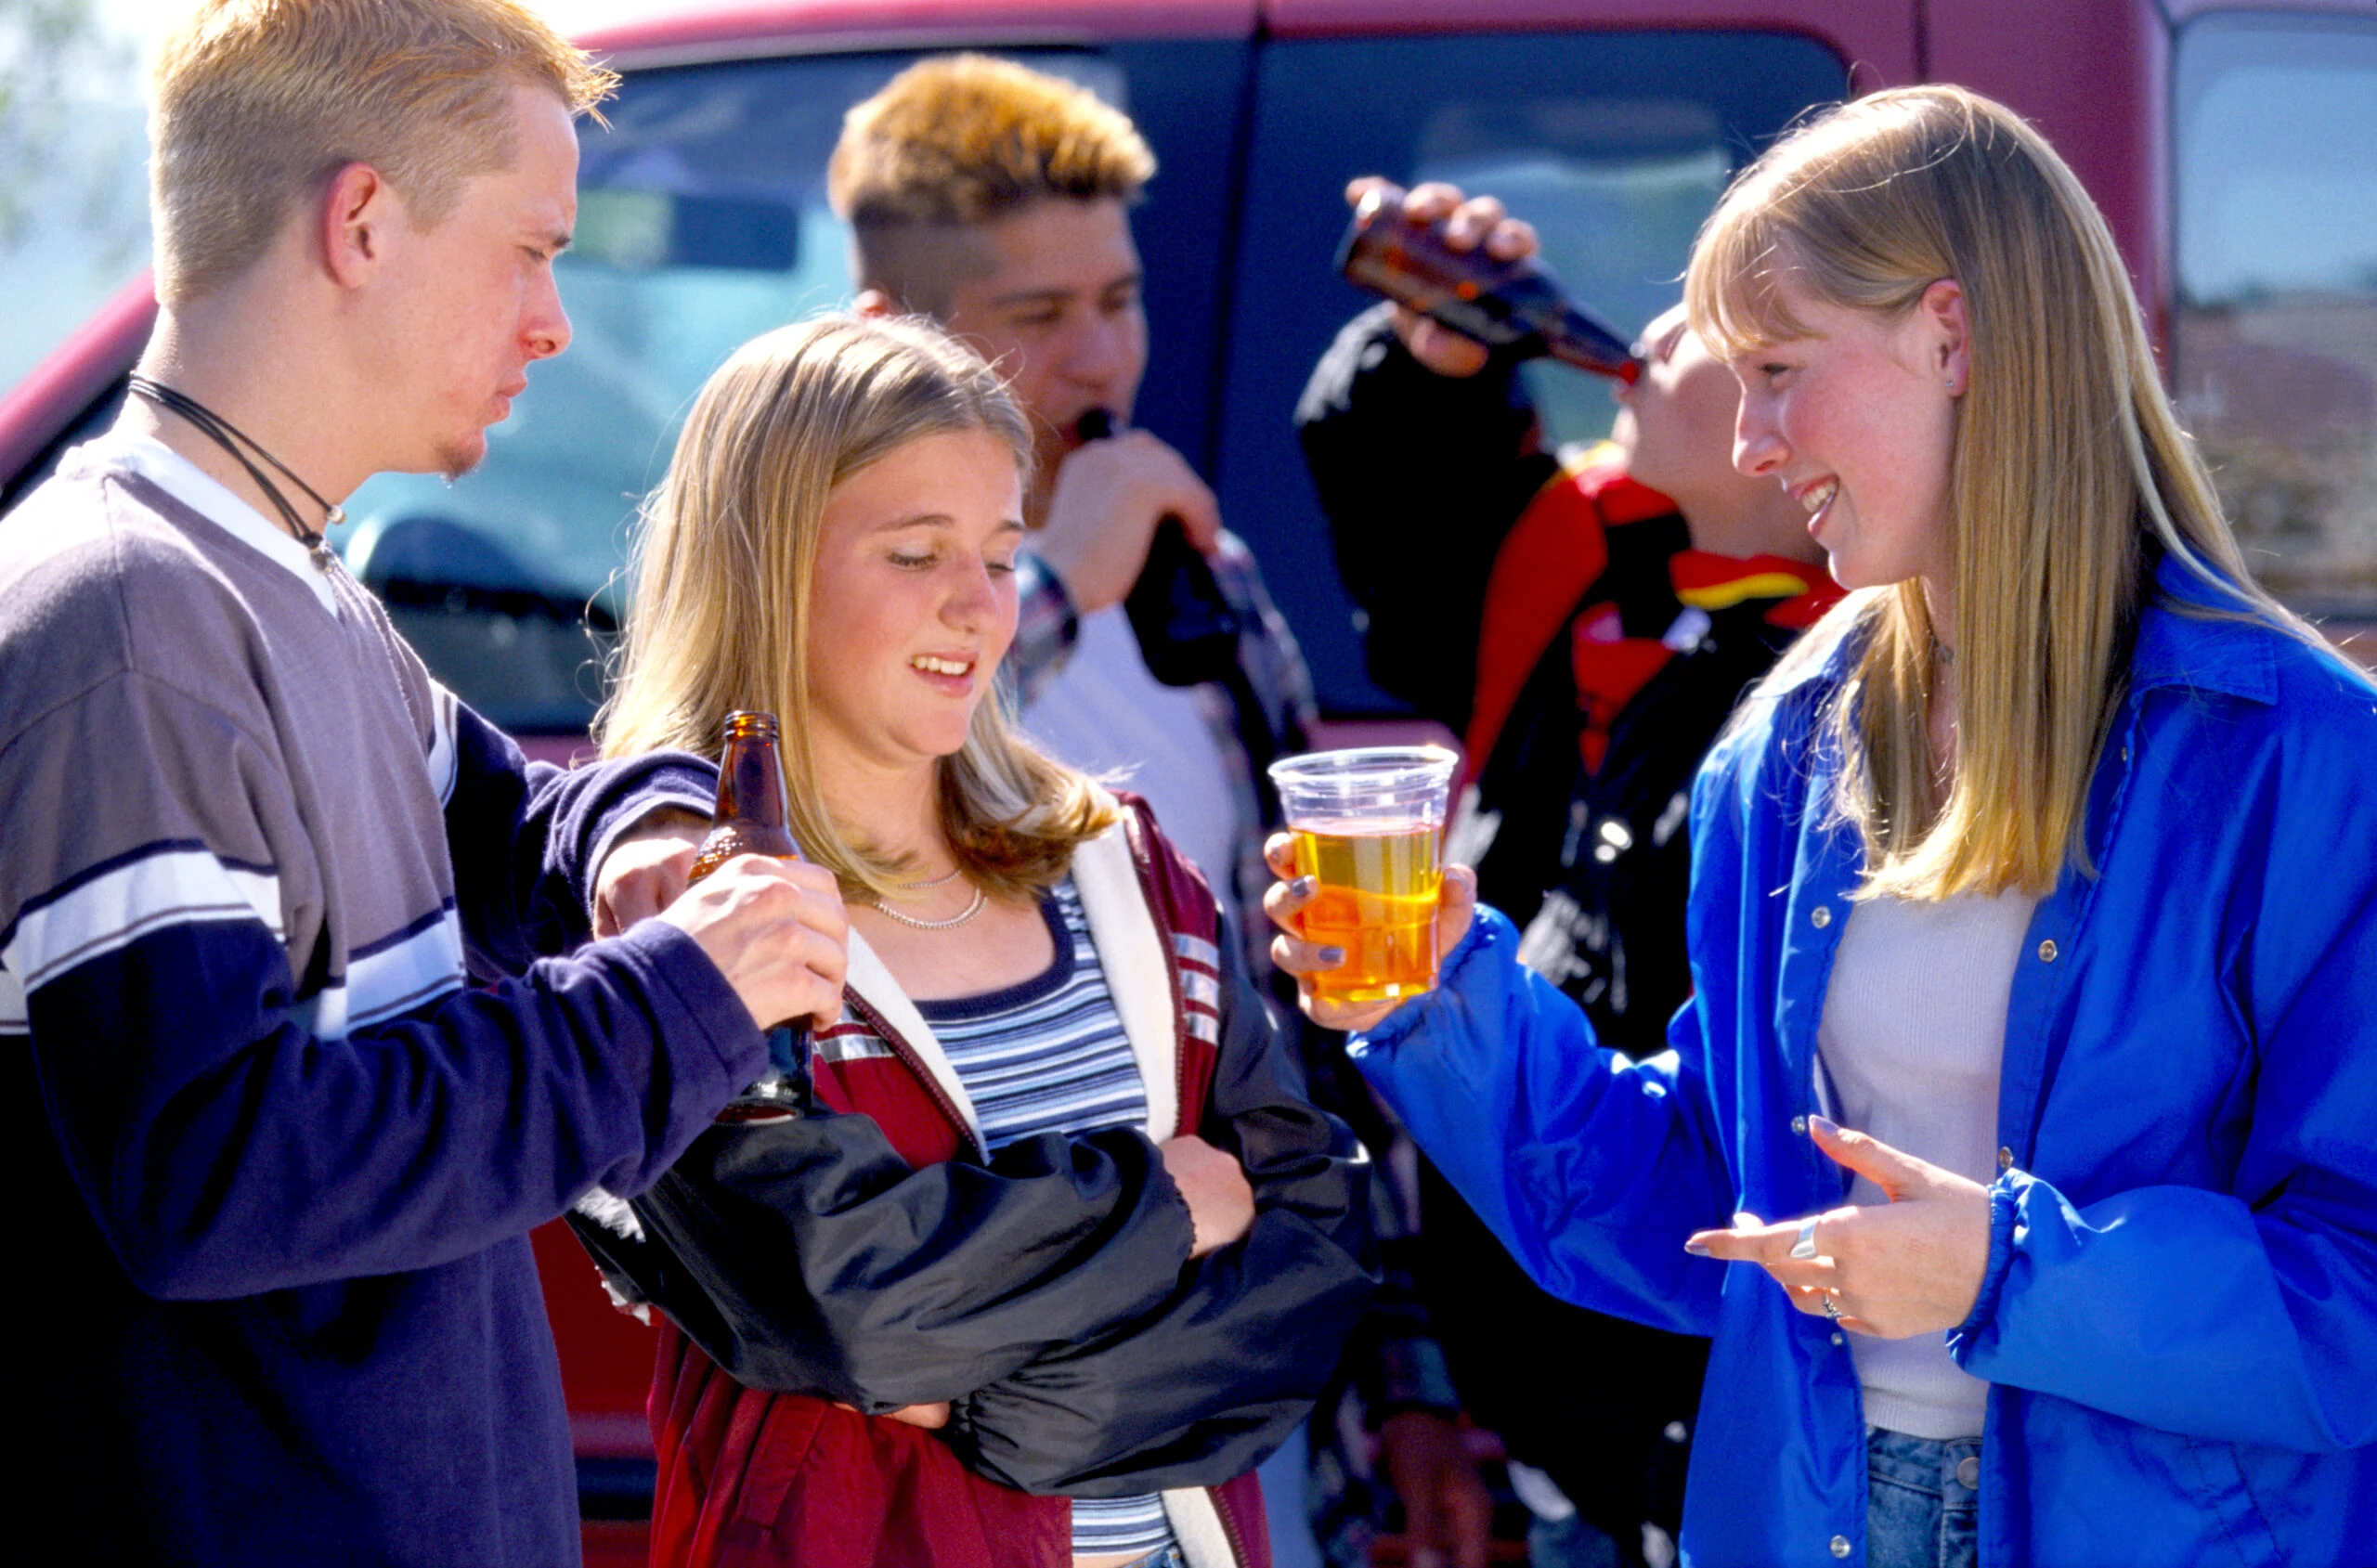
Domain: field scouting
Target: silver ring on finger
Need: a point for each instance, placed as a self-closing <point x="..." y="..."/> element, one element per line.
<point x="1831" y="1307"/>
<point x="1805" y="1247"/>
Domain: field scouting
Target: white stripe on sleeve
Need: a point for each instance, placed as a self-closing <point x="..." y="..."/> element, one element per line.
<point x="444" y="762"/>
<point x="401" y="978"/>
<point x="167" y="887"/>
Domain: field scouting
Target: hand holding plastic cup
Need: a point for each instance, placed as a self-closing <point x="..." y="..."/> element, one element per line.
<point x="1369" y="825"/>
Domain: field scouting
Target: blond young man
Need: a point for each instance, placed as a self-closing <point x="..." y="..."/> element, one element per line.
<point x="285" y="1155"/>
<point x="997" y="200"/>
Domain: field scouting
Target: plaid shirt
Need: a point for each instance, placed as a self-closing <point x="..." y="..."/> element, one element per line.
<point x="1274" y="699"/>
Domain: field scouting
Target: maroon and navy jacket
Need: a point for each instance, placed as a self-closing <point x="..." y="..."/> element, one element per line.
<point x="820" y="1271"/>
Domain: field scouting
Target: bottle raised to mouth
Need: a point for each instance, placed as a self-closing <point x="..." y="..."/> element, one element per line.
<point x="1506" y="304"/>
<point x="1186" y="631"/>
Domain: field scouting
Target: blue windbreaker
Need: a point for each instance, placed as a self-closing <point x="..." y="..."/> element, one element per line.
<point x="2179" y="1317"/>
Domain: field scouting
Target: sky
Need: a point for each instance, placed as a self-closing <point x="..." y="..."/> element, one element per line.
<point x="87" y="226"/>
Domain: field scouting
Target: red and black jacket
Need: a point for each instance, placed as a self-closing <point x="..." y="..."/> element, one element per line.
<point x="1557" y="618"/>
<point x="872" y="1256"/>
<point x="1591" y="722"/>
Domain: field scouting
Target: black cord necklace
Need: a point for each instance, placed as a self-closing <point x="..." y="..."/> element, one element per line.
<point x="228" y="437"/>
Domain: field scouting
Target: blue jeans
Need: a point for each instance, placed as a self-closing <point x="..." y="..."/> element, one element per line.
<point x="1163" y="1557"/>
<point x="1922" y="1508"/>
<point x="1570" y="1543"/>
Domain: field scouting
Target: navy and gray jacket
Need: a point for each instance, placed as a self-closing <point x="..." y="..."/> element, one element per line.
<point x="283" y="1153"/>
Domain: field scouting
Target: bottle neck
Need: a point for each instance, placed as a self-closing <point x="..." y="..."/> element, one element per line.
<point x="1576" y="338"/>
<point x="750" y="783"/>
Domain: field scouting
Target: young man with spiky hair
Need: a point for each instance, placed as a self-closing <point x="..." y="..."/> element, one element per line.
<point x="997" y="200"/>
<point x="280" y="1154"/>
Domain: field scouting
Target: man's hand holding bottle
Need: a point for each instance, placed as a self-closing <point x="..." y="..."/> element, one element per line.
<point x="1103" y="511"/>
<point x="1469" y="221"/>
<point x="776" y="929"/>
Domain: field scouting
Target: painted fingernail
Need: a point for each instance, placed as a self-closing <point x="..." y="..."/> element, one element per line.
<point x="1333" y="956"/>
<point x="1697" y="1247"/>
<point x="1824" y="1126"/>
<point x="1304" y="886"/>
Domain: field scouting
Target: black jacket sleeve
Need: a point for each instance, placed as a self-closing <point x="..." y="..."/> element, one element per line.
<point x="1206" y="1384"/>
<point x="1420" y="476"/>
<point x="806" y="1256"/>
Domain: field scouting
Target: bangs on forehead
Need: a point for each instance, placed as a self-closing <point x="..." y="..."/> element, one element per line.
<point x="1733" y="291"/>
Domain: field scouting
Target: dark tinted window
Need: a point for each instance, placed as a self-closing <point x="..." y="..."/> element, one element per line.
<point x="2275" y="337"/>
<point x="1615" y="144"/>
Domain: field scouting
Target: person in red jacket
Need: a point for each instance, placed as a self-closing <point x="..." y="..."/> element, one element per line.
<point x="1063" y="1251"/>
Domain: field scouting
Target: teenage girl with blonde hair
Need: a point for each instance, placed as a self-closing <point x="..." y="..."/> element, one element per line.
<point x="2047" y="864"/>
<point x="1065" y="1251"/>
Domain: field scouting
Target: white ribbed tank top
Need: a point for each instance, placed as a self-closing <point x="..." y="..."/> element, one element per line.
<point x="1912" y="1032"/>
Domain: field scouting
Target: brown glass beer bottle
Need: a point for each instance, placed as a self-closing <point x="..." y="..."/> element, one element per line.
<point x="753" y="817"/>
<point x="1500" y="304"/>
<point x="1187" y="632"/>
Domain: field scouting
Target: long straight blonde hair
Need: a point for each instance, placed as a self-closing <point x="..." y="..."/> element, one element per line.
<point x="727" y="564"/>
<point x="2069" y="474"/>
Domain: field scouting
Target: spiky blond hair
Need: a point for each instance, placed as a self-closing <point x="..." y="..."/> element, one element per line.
<point x="966" y="139"/>
<point x="959" y="140"/>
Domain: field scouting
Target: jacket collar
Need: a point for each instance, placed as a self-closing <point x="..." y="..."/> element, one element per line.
<point x="2184" y="640"/>
<point x="1130" y="949"/>
<point x="1136" y="956"/>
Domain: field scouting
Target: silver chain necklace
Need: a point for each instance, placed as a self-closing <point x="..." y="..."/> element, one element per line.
<point x="981" y="899"/>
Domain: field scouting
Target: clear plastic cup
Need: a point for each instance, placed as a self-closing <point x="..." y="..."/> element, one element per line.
<point x="1369" y="830"/>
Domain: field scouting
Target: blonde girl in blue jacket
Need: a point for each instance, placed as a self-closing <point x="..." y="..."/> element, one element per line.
<point x="2033" y="927"/>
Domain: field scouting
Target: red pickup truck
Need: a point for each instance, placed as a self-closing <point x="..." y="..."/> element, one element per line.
<point x="2233" y="148"/>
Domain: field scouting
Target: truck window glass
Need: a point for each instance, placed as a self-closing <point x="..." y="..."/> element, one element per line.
<point x="2274" y="334"/>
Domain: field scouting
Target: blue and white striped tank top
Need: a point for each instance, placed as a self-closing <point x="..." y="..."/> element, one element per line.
<point x="1049" y="1056"/>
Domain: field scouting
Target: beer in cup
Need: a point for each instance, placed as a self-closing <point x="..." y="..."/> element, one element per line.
<point x="1369" y="827"/>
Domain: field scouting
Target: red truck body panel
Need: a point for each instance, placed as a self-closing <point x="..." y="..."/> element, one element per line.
<point x="40" y="407"/>
<point x="726" y="30"/>
<point x="2093" y="78"/>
